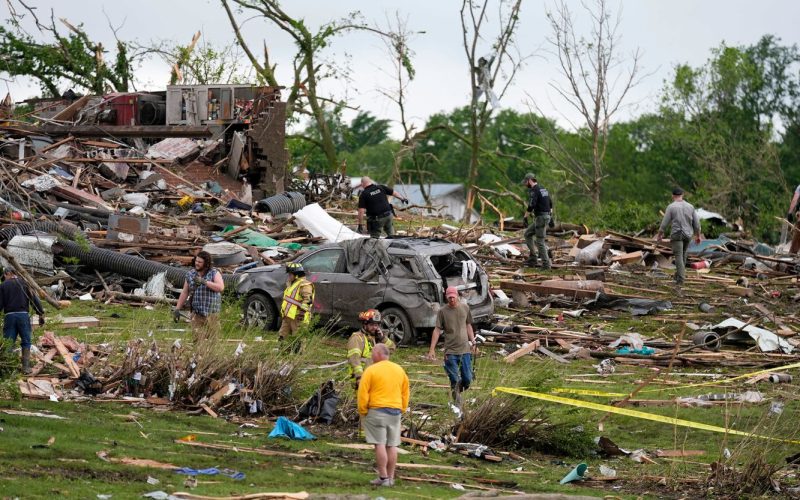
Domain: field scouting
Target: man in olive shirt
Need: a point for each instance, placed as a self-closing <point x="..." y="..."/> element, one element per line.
<point x="685" y="223"/>
<point x="455" y="320"/>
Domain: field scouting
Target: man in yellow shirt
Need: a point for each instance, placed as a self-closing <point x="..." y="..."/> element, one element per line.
<point x="298" y="297"/>
<point x="382" y="398"/>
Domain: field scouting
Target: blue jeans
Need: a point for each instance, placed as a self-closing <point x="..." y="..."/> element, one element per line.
<point x="453" y="363"/>
<point x="18" y="323"/>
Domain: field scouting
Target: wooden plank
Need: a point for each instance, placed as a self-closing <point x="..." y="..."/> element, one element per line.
<point x="57" y="365"/>
<point x="552" y="355"/>
<point x="419" y="442"/>
<point x="209" y="410"/>
<point x="68" y="114"/>
<point x="49" y="355"/>
<point x="73" y="321"/>
<point x="628" y="258"/>
<point x="557" y="287"/>
<point x="679" y="453"/>
<point x="245" y="449"/>
<point x="75" y="372"/>
<point x="740" y="291"/>
<point x="214" y="399"/>
<point x="522" y="352"/>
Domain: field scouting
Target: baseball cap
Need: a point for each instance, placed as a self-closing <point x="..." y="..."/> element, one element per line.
<point x="677" y="191"/>
<point x="451" y="292"/>
<point x="529" y="176"/>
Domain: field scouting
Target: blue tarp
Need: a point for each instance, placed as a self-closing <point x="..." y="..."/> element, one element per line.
<point x="288" y="429"/>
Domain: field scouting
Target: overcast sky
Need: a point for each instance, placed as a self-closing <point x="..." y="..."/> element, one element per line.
<point x="667" y="32"/>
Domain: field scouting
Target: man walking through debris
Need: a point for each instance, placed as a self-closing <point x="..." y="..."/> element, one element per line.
<point x="455" y="320"/>
<point x="374" y="202"/>
<point x="540" y="205"/>
<point x="792" y="217"/>
<point x="15" y="301"/>
<point x="382" y="397"/>
<point x="685" y="223"/>
<point x="297" y="300"/>
<point x="361" y="343"/>
<point x="203" y="290"/>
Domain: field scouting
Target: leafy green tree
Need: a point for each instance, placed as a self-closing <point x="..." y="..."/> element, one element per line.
<point x="725" y="115"/>
<point x="357" y="141"/>
<point x="364" y="130"/>
<point x="204" y="64"/>
<point x="72" y="58"/>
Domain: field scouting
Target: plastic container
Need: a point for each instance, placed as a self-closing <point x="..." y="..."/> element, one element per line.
<point x="703" y="264"/>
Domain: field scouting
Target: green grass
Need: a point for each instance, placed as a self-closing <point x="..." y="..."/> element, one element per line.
<point x="70" y="467"/>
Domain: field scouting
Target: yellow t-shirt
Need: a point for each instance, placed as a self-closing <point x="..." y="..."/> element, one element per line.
<point x="383" y="385"/>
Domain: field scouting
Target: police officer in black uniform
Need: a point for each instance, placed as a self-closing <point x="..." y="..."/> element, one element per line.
<point x="375" y="203"/>
<point x="540" y="205"/>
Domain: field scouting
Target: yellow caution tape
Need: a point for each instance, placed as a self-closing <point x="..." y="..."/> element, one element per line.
<point x="634" y="413"/>
<point x="590" y="392"/>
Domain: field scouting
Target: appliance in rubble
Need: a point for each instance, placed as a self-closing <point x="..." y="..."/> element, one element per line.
<point x="133" y="108"/>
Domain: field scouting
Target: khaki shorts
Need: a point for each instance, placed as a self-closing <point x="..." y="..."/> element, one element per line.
<point x="382" y="428"/>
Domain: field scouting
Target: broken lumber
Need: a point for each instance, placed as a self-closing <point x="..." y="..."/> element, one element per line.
<point x="579" y="289"/>
<point x="75" y="372"/>
<point x="147" y="131"/>
<point x="740" y="291"/>
<point x="628" y="258"/>
<point x="260" y="451"/>
<point x="522" y="352"/>
<point x="551" y="354"/>
<point x="679" y="453"/>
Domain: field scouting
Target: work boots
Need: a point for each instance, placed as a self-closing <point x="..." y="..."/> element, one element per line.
<point x="26" y="360"/>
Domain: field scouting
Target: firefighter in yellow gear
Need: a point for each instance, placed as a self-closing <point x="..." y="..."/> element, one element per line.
<point x="298" y="297"/>
<point x="360" y="344"/>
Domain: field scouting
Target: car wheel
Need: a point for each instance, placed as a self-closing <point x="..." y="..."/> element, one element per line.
<point x="260" y="311"/>
<point x="396" y="325"/>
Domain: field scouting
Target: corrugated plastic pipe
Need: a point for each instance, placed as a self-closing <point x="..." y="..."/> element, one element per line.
<point x="128" y="265"/>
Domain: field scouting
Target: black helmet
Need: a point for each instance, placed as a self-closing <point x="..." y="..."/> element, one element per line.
<point x="295" y="268"/>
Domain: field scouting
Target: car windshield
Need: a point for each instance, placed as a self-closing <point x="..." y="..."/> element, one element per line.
<point x="324" y="261"/>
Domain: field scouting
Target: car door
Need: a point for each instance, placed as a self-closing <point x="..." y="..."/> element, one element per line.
<point x="323" y="267"/>
<point x="352" y="295"/>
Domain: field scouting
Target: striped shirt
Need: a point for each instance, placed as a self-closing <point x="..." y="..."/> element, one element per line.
<point x="204" y="300"/>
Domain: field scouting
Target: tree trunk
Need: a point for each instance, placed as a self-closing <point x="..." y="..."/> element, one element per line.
<point x="328" y="148"/>
<point x="472" y="177"/>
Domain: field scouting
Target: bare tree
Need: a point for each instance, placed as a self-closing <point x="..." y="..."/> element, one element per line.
<point x="304" y="95"/>
<point x="402" y="73"/>
<point x="491" y="72"/>
<point x="596" y="81"/>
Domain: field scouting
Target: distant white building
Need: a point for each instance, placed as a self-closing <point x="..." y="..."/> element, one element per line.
<point x="445" y="200"/>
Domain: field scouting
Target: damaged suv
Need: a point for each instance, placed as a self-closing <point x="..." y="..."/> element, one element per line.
<point x="404" y="278"/>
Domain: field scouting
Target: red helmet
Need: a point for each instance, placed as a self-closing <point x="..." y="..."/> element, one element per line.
<point x="370" y="316"/>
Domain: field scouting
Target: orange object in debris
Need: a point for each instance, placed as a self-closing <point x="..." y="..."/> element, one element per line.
<point x="16" y="215"/>
<point x="190" y="437"/>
